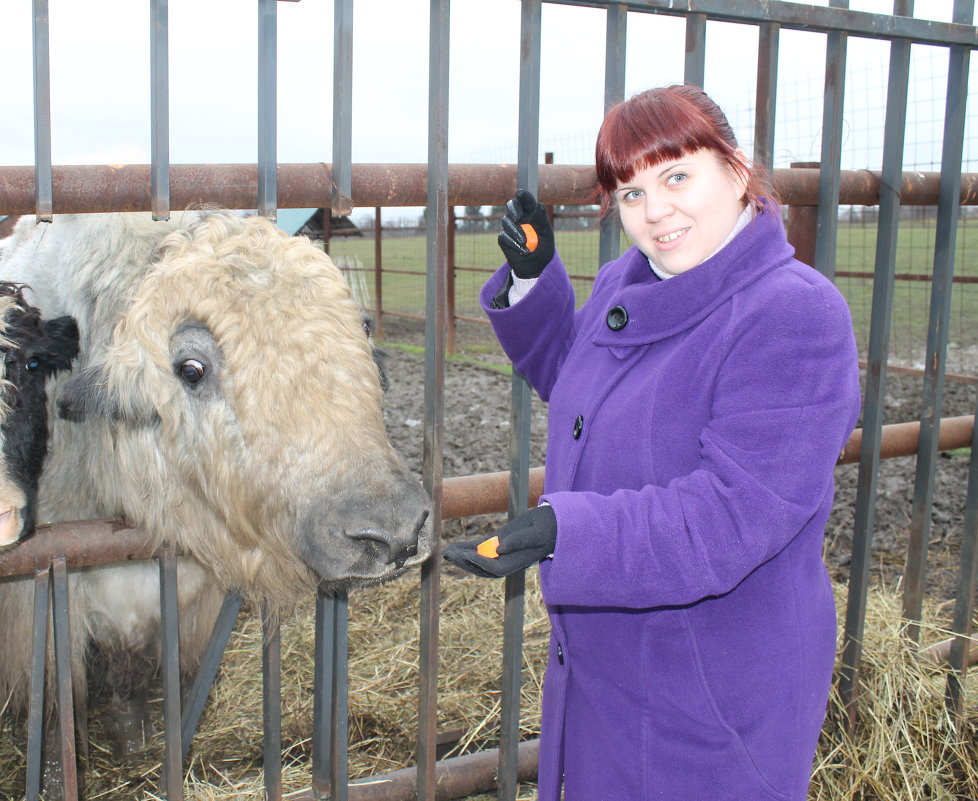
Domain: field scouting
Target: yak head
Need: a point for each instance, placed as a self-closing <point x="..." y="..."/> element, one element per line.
<point x="245" y="404"/>
<point x="32" y="349"/>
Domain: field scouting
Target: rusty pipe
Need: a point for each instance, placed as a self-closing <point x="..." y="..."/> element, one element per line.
<point x="481" y="494"/>
<point x="458" y="777"/>
<point x="900" y="439"/>
<point x="99" y="188"/>
<point x="939" y="653"/>
<point x="82" y="543"/>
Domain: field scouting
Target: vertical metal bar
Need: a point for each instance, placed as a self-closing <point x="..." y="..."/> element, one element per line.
<point x="322" y="701"/>
<point x="964" y="601"/>
<point x="609" y="242"/>
<point x="451" y="315"/>
<point x="342" y="168"/>
<point x="267" y="147"/>
<point x="207" y="671"/>
<point x="330" y="701"/>
<point x="172" y="775"/>
<point x="44" y="205"/>
<point x="948" y="213"/>
<point x="879" y="343"/>
<point x="765" y="110"/>
<point x="434" y="386"/>
<point x="694" y="72"/>
<point x="827" y="228"/>
<point x="160" y="109"/>
<point x="378" y="274"/>
<point x="271" y="675"/>
<point x="519" y="429"/>
<point x="62" y="672"/>
<point x="35" y="708"/>
<point x="339" y="719"/>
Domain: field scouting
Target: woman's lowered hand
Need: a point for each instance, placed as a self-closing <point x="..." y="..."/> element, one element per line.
<point x="522" y="542"/>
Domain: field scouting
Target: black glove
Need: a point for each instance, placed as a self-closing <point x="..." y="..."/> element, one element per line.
<point x="525" y="260"/>
<point x="523" y="542"/>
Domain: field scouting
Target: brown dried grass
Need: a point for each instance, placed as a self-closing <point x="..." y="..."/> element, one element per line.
<point x="906" y="747"/>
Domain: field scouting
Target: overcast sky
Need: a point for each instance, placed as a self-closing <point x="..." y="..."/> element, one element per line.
<point x="100" y="78"/>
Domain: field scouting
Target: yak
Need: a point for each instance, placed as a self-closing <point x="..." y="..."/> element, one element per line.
<point x="226" y="399"/>
<point x="32" y="349"/>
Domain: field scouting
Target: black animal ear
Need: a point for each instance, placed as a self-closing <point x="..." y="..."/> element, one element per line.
<point x="60" y="343"/>
<point x="85" y="395"/>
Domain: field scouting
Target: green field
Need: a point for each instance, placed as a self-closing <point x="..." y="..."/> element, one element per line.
<point x="404" y="258"/>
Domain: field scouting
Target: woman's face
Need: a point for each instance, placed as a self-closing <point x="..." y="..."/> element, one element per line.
<point x="679" y="212"/>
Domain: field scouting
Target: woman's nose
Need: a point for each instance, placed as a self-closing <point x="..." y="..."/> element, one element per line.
<point x="656" y="208"/>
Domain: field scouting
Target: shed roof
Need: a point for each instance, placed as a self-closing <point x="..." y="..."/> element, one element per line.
<point x="291" y="220"/>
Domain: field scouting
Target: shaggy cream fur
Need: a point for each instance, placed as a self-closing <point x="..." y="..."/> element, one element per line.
<point x="227" y="401"/>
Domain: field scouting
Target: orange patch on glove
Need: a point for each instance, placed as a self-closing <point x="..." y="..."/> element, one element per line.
<point x="488" y="548"/>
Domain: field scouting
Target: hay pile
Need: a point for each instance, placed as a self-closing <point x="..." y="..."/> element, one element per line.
<point x="906" y="747"/>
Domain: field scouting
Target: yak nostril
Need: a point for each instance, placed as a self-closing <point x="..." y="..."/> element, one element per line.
<point x="380" y="539"/>
<point x="417" y="529"/>
<point x="393" y="552"/>
<point x="406" y="553"/>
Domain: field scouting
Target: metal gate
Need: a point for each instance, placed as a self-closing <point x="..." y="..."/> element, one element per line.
<point x="46" y="189"/>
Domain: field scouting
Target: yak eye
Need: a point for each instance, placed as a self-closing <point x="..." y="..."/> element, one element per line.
<point x="191" y="371"/>
<point x="32" y="365"/>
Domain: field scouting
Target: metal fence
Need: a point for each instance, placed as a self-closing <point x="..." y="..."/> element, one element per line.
<point x="46" y="189"/>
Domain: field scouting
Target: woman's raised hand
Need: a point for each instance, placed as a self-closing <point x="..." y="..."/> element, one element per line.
<point x="527" y="239"/>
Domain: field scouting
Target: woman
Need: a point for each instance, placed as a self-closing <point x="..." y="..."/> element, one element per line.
<point x="697" y="405"/>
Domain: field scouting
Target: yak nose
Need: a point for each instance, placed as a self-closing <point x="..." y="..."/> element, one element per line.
<point x="397" y="550"/>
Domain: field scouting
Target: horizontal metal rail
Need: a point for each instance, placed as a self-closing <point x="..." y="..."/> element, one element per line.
<point x="101" y="188"/>
<point x="456" y="777"/>
<point x="804" y="17"/>
<point x="104" y="541"/>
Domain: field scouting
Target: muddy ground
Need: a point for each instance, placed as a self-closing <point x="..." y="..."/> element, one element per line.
<point x="477" y="400"/>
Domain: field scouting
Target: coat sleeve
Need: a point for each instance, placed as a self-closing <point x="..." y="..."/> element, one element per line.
<point x="785" y="401"/>
<point x="537" y="332"/>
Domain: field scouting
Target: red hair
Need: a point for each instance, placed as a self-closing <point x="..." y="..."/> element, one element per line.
<point x="664" y="124"/>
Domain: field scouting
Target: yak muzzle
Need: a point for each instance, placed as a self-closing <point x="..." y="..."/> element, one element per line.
<point x="367" y="533"/>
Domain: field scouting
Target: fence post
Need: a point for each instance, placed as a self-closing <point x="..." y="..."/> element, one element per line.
<point x="378" y="277"/>
<point x="450" y="286"/>
<point x="801" y="225"/>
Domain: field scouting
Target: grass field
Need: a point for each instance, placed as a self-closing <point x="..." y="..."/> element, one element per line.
<point x="404" y="259"/>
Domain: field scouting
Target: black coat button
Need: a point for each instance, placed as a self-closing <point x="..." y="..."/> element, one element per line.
<point x="560" y="654"/>
<point x="617" y="318"/>
<point x="578" y="427"/>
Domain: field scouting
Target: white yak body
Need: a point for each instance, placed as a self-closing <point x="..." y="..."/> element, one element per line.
<point x="226" y="399"/>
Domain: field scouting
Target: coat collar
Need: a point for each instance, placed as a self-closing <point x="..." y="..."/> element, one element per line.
<point x="658" y="309"/>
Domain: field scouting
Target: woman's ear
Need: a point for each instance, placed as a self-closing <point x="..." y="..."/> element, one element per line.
<point x="742" y="173"/>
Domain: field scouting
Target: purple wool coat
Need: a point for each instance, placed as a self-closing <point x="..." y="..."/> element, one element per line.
<point x="694" y="426"/>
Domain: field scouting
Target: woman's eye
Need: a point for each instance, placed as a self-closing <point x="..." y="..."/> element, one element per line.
<point x="631" y="195"/>
<point x="191" y="371"/>
<point x="676" y="178"/>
